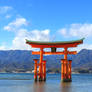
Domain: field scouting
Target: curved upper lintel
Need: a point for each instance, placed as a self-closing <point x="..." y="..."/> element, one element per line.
<point x="58" y="44"/>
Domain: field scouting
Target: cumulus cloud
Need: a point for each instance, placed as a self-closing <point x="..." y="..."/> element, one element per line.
<point x="77" y="30"/>
<point x="80" y="47"/>
<point x="85" y="46"/>
<point x="40" y="35"/>
<point x="21" y="33"/>
<point x="16" y="24"/>
<point x="5" y="9"/>
<point x="19" y="41"/>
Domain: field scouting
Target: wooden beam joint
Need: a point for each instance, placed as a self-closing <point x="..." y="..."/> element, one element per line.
<point x="54" y="53"/>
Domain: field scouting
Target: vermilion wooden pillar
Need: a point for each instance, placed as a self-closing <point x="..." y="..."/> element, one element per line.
<point x="66" y="67"/>
<point x="40" y="65"/>
<point x="66" y="70"/>
<point x="35" y="69"/>
<point x="44" y="70"/>
<point x="62" y="69"/>
<point x="69" y="69"/>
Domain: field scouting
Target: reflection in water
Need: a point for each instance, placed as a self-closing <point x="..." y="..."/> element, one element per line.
<point x="39" y="87"/>
<point x="42" y="87"/>
<point x="66" y="87"/>
<point x="80" y="83"/>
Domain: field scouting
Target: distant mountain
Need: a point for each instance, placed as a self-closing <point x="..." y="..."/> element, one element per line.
<point x="83" y="59"/>
<point x="16" y="59"/>
<point x="22" y="60"/>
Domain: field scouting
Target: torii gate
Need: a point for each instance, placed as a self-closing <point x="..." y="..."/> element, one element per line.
<point x="66" y="64"/>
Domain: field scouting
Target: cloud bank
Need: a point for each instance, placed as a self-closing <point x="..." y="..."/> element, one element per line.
<point x="16" y="24"/>
<point x="19" y="26"/>
<point x="77" y="30"/>
<point x="21" y="33"/>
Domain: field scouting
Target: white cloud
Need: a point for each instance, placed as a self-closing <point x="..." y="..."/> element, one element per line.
<point x="21" y="33"/>
<point x="85" y="46"/>
<point x="16" y="24"/>
<point x="18" y="27"/>
<point x="40" y="35"/>
<point x="19" y="41"/>
<point x="77" y="30"/>
<point x="80" y="47"/>
<point x="5" y="9"/>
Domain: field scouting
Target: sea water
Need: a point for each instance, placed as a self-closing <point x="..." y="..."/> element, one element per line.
<point x="22" y="82"/>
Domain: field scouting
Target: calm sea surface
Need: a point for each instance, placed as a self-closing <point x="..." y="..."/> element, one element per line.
<point x="25" y="83"/>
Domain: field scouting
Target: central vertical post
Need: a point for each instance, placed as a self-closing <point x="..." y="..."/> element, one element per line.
<point x="66" y="68"/>
<point x="65" y="64"/>
<point x="40" y="65"/>
<point x="65" y="53"/>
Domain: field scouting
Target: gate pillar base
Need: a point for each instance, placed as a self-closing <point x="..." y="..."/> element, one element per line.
<point x="66" y="80"/>
<point x="35" y="79"/>
<point x="44" y="79"/>
<point x="40" y="79"/>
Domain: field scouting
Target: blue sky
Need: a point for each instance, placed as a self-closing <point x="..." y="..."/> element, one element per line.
<point x="44" y="20"/>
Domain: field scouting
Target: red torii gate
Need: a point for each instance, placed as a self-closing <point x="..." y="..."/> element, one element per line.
<point x="66" y="64"/>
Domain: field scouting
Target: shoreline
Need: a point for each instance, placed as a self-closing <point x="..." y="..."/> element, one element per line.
<point x="33" y="73"/>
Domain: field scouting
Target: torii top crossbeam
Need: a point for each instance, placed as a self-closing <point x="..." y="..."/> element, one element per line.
<point x="58" y="44"/>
